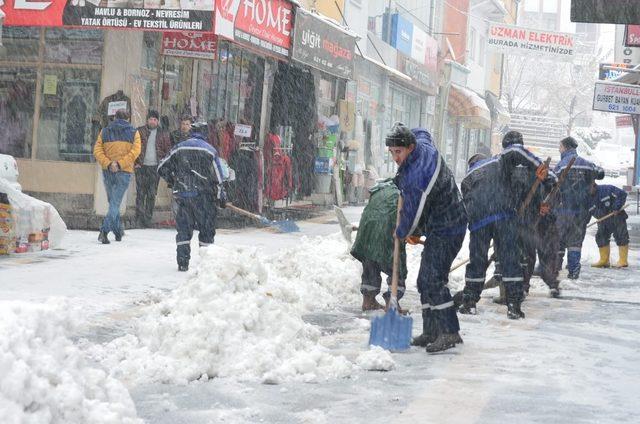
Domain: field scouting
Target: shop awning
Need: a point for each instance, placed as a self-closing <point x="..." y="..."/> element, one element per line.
<point x="391" y="71"/>
<point x="468" y="107"/>
<point x="630" y="77"/>
<point x="499" y="113"/>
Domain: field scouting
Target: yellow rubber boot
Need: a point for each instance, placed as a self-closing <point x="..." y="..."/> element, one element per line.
<point x="605" y="251"/>
<point x="623" y="262"/>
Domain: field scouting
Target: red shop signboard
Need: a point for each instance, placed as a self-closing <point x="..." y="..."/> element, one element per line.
<point x="198" y="45"/>
<point x="632" y="37"/>
<point x="265" y="24"/>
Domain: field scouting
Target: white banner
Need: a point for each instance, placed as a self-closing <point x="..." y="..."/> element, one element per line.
<point x="617" y="98"/>
<point x="515" y="40"/>
<point x="419" y="45"/>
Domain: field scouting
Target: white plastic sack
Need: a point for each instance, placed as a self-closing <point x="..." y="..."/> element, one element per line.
<point x="33" y="216"/>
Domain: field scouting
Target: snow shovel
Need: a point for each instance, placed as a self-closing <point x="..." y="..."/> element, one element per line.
<point x="348" y="228"/>
<point x="286" y="226"/>
<point x="345" y="226"/>
<point x="609" y="215"/>
<point x="392" y="331"/>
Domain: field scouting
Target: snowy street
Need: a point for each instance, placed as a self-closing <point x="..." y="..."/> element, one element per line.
<point x="267" y="327"/>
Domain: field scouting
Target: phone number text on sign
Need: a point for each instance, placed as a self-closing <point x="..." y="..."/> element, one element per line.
<point x="617" y="98"/>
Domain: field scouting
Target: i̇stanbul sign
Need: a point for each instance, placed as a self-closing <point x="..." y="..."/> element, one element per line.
<point x="515" y="40"/>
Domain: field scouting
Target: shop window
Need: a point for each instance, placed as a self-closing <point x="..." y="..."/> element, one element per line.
<point x="21" y="44"/>
<point x="151" y="50"/>
<point x="68" y="123"/>
<point x="327" y="88"/>
<point x="73" y="46"/>
<point x="481" y="52"/>
<point x="17" y="100"/>
<point x="176" y="89"/>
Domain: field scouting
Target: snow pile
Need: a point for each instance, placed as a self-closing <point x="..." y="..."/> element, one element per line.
<point x="320" y="273"/>
<point x="376" y="359"/>
<point x="233" y="318"/>
<point x="44" y="378"/>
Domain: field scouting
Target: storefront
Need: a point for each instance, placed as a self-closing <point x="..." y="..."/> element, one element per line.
<point x="56" y="84"/>
<point x="367" y="92"/>
<point x="467" y="128"/>
<point x="309" y="111"/>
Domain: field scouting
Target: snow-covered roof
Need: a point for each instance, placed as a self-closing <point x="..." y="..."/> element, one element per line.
<point x="387" y="68"/>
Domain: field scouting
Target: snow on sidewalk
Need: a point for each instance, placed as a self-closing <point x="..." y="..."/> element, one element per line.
<point x="45" y="378"/>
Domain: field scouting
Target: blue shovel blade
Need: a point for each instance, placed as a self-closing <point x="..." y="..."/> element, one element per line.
<point x="287" y="226"/>
<point x="391" y="331"/>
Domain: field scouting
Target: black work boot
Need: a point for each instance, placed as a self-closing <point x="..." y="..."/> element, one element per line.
<point x="443" y="342"/>
<point x="468" y="306"/>
<point x="514" y="311"/>
<point x="500" y="300"/>
<point x="554" y="289"/>
<point x="184" y="266"/>
<point x="429" y="330"/>
<point x="103" y="237"/>
<point x="470" y="296"/>
<point x="513" y="292"/>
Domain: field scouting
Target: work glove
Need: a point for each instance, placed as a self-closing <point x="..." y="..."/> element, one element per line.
<point x="413" y="240"/>
<point x="545" y="209"/>
<point x="542" y="172"/>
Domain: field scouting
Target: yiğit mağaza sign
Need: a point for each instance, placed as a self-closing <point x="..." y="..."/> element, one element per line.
<point x="616" y="97"/>
<point x="323" y="46"/>
<point x="511" y="39"/>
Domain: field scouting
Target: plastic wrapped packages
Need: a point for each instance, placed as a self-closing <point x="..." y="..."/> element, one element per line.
<point x="7" y="232"/>
<point x="36" y="224"/>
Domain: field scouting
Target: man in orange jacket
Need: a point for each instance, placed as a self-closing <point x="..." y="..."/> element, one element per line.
<point x="116" y="150"/>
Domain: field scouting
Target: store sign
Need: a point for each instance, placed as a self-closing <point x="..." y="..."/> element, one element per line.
<point x="419" y="45"/>
<point x="192" y="15"/>
<point x="401" y="34"/>
<point x="431" y="57"/>
<point x="610" y="71"/>
<point x="623" y="53"/>
<point x="632" y="37"/>
<point x="419" y="74"/>
<point x="265" y="24"/>
<point x="617" y="98"/>
<point x="514" y="40"/>
<point x="198" y="45"/>
<point x="623" y="121"/>
<point x="242" y="130"/>
<point x="113" y="107"/>
<point x="321" y="45"/>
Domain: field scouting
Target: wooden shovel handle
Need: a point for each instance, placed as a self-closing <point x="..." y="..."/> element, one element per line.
<point x="242" y="211"/>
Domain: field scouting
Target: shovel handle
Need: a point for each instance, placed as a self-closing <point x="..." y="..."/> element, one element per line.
<point x="396" y="257"/>
<point x="609" y="215"/>
<point x="243" y="212"/>
<point x="532" y="191"/>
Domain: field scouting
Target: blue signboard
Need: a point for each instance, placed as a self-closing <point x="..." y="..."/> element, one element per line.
<point x="401" y="34"/>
